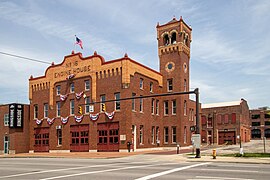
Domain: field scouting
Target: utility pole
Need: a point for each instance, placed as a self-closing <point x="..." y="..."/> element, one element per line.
<point x="196" y="92"/>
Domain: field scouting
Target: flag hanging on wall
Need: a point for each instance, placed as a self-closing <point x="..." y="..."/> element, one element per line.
<point x="79" y="42"/>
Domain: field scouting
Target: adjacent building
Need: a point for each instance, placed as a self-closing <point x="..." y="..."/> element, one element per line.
<point x="225" y="123"/>
<point x="79" y="105"/>
<point x="260" y="122"/>
<point x="14" y="128"/>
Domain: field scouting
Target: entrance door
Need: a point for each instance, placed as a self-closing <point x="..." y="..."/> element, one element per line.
<point x="6" y="145"/>
<point x="108" y="137"/>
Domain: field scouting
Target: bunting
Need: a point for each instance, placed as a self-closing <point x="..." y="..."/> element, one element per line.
<point x="38" y="122"/>
<point x="79" y="95"/>
<point x="50" y="121"/>
<point x="110" y="115"/>
<point x="63" y="97"/>
<point x="64" y="120"/>
<point x="78" y="119"/>
<point x="94" y="117"/>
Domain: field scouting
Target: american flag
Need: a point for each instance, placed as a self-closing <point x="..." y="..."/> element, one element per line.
<point x="79" y="42"/>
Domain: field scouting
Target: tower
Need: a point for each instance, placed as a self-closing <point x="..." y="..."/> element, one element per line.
<point x="174" y="40"/>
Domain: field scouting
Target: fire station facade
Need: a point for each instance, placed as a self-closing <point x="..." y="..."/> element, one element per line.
<point x="56" y="125"/>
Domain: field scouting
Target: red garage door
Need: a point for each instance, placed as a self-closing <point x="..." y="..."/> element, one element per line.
<point x="108" y="137"/>
<point x="41" y="140"/>
<point x="79" y="138"/>
<point x="227" y="137"/>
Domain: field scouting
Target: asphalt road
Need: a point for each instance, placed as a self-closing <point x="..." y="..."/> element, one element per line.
<point x="139" y="167"/>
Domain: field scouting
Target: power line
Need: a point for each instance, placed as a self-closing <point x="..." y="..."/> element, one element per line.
<point x="22" y="57"/>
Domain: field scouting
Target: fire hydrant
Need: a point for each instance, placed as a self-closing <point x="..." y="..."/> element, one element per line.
<point x="214" y="153"/>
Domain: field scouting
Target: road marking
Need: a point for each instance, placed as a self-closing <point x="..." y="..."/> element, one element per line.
<point x="101" y="171"/>
<point x="66" y="169"/>
<point x="171" y="171"/>
<point x="218" y="178"/>
<point x="230" y="170"/>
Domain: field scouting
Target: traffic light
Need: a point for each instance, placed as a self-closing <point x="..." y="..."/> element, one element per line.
<point x="103" y="107"/>
<point x="80" y="110"/>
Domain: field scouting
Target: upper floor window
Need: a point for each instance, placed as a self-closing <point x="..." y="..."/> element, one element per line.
<point x="267" y="115"/>
<point x="46" y="109"/>
<point x="255" y="116"/>
<point x="166" y="107"/>
<point x="87" y="85"/>
<point x="185" y="107"/>
<point x="141" y="83"/>
<point x="166" y="40"/>
<point x="133" y="101"/>
<point x="58" y="109"/>
<point x="174" y="107"/>
<point x="170" y="84"/>
<point x="141" y="105"/>
<point x="173" y="39"/>
<point x="151" y="87"/>
<point x="157" y="107"/>
<point x="58" y="90"/>
<point x="153" y="106"/>
<point x="185" y="85"/>
<point x="117" y="102"/>
<point x="71" y="107"/>
<point x="72" y="87"/>
<point x="6" y="120"/>
<point x="35" y="111"/>
<point x="87" y="104"/>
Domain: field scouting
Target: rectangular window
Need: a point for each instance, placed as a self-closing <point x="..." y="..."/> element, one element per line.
<point x="153" y="135"/>
<point x="6" y="120"/>
<point x="153" y="106"/>
<point x="166" y="107"/>
<point x="117" y="102"/>
<point x="59" y="137"/>
<point x="174" y="107"/>
<point x="185" y="85"/>
<point x="58" y="109"/>
<point x="58" y="90"/>
<point x="133" y="101"/>
<point x="255" y="116"/>
<point x="71" y="105"/>
<point x="151" y="87"/>
<point x="87" y="104"/>
<point x="157" y="135"/>
<point x="87" y="85"/>
<point x="35" y="111"/>
<point x="233" y="118"/>
<point x="226" y="119"/>
<point x="166" y="135"/>
<point x="185" y="108"/>
<point x="170" y="85"/>
<point x="72" y="87"/>
<point x="141" y="134"/>
<point x="157" y="107"/>
<point x="141" y="83"/>
<point x="203" y="120"/>
<point x="46" y="109"/>
<point x="141" y="105"/>
<point x="173" y="134"/>
<point x="256" y="124"/>
<point x="219" y="120"/>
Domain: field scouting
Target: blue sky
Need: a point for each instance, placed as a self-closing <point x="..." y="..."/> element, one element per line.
<point x="230" y="48"/>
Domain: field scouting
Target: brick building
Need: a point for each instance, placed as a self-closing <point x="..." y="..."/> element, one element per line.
<point x="55" y="124"/>
<point x="14" y="128"/>
<point x="260" y="122"/>
<point x="226" y="122"/>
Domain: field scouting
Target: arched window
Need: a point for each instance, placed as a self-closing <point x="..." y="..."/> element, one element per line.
<point x="166" y="40"/>
<point x="173" y="39"/>
<point x="185" y="85"/>
<point x="267" y="133"/>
